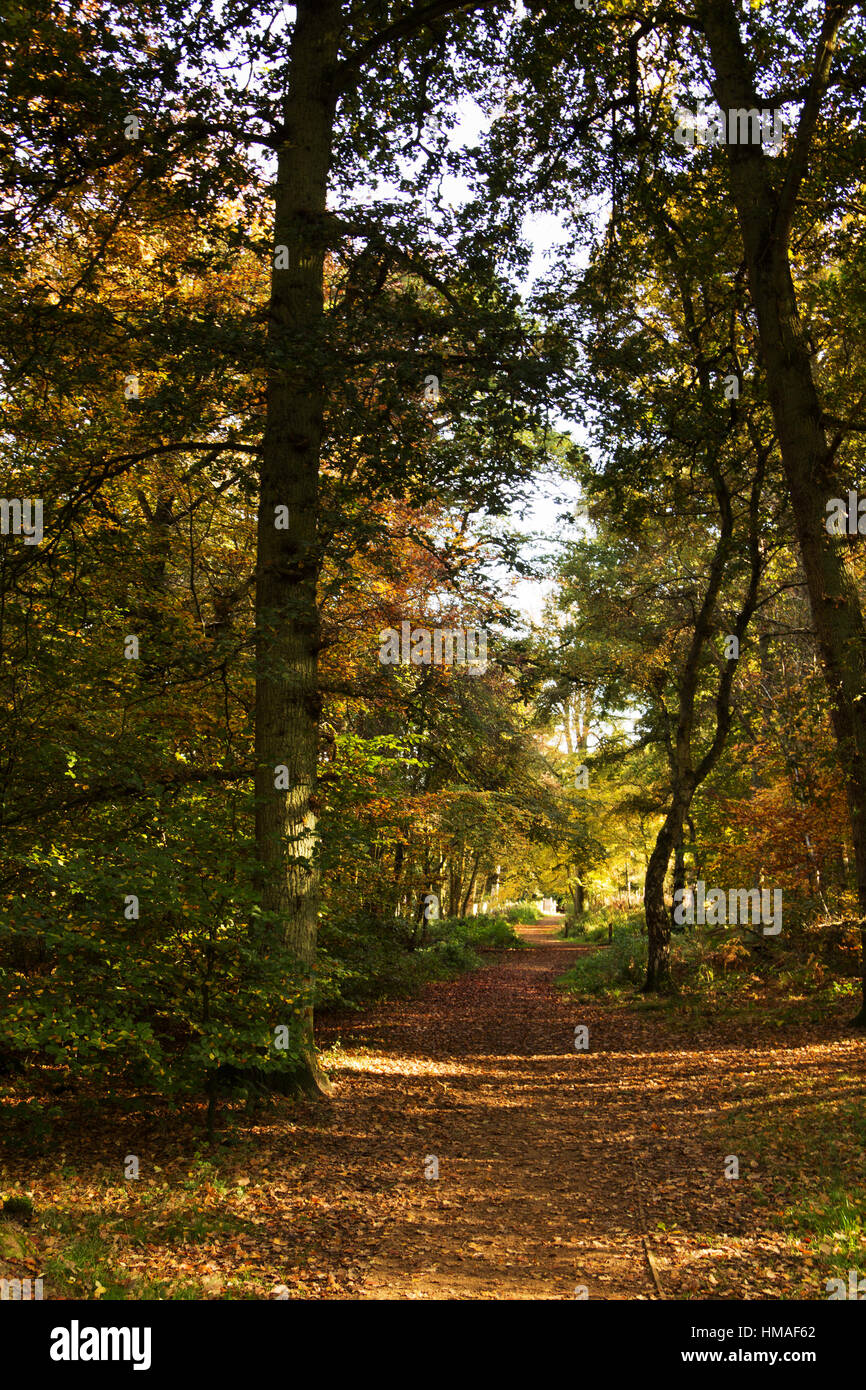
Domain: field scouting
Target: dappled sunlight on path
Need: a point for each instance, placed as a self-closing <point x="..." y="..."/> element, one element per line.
<point x="558" y="1169"/>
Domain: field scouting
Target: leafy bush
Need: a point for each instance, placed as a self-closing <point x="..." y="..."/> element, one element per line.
<point x="525" y="913"/>
<point x="363" y="958"/>
<point x="449" y="956"/>
<point x="713" y="971"/>
<point x="698" y="961"/>
<point x="487" y="931"/>
<point x="594" y="925"/>
<point x="608" y="971"/>
<point x="153" y="966"/>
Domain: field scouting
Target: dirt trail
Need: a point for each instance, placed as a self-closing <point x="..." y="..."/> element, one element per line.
<point x="471" y="1152"/>
<point x="551" y="1161"/>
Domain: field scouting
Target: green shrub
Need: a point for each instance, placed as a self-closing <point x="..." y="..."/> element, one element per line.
<point x="710" y="970"/>
<point x="594" y="925"/>
<point x="160" y="989"/>
<point x="485" y="932"/>
<point x="450" y="956"/>
<point x="525" y="913"/>
<point x="620" y="966"/>
<point x="363" y="958"/>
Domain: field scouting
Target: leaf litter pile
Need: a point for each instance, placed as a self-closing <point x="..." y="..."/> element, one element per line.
<point x="470" y="1151"/>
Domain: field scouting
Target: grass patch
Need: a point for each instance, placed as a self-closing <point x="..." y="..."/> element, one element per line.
<point x="97" y="1254"/>
<point x="715" y="975"/>
<point x="809" y="1153"/>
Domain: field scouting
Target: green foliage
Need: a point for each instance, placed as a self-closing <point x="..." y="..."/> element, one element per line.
<point x="18" y="1209"/>
<point x="487" y="931"/>
<point x="527" y="913"/>
<point x="714" y="973"/>
<point x="197" y="980"/>
<point x="363" y="958"/>
<point x="594" y="925"/>
<point x="610" y="970"/>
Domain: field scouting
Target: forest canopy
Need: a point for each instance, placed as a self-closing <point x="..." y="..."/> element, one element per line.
<point x="298" y="409"/>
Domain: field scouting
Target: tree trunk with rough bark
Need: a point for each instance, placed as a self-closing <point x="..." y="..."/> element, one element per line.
<point x="655" y="911"/>
<point x="288" y="702"/>
<point x="765" y="218"/>
<point x="679" y="880"/>
<point x="470" y="891"/>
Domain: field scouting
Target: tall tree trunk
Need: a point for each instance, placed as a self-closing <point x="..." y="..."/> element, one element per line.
<point x="455" y="881"/>
<point x="288" y="702"/>
<point x="657" y="920"/>
<point x="679" y="881"/>
<point x="578" y="895"/>
<point x="471" y="889"/>
<point x="578" y="898"/>
<point x="765" y="215"/>
<point x="685" y="776"/>
<point x="693" y="854"/>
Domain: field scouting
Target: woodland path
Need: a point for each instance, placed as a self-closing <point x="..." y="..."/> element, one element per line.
<point x="558" y="1170"/>
<point x="556" y="1167"/>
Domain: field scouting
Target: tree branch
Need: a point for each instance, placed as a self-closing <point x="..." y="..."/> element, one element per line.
<point x="403" y="28"/>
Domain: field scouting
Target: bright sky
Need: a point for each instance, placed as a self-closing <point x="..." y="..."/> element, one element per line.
<point x="544" y="232"/>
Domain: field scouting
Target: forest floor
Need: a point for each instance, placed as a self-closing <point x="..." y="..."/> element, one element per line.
<point x="562" y="1173"/>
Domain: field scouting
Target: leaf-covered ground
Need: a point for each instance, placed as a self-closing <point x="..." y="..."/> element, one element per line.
<point x="559" y="1170"/>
